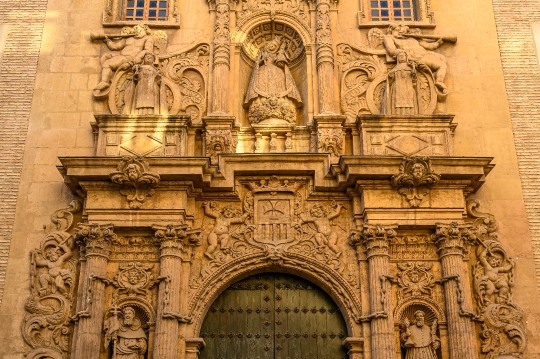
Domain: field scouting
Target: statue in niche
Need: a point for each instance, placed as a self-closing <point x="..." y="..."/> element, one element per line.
<point x="55" y="278"/>
<point x="401" y="96"/>
<point x="126" y="334"/>
<point x="128" y="52"/>
<point x="146" y="94"/>
<point x="221" y="233"/>
<point x="400" y="37"/>
<point x="420" y="340"/>
<point x="272" y="93"/>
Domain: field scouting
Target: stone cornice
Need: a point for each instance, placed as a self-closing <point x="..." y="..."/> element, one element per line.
<point x="467" y="172"/>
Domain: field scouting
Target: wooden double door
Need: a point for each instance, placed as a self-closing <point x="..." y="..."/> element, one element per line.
<point x="273" y="316"/>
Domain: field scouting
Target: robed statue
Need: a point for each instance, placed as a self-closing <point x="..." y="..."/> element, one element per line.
<point x="272" y="93"/>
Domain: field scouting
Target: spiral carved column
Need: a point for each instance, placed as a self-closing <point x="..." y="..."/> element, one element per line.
<point x="376" y="240"/>
<point x="96" y="241"/>
<point x="451" y="241"/>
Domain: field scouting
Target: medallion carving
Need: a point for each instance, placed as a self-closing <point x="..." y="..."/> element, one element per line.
<point x="135" y="181"/>
<point x="415" y="280"/>
<point x="414" y="179"/>
<point x="46" y="326"/>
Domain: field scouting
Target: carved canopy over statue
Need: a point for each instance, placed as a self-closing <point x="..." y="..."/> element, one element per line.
<point x="272" y="93"/>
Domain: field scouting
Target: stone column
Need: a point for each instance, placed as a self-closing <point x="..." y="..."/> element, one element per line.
<point x="451" y="240"/>
<point x="325" y="57"/>
<point x="376" y="240"/>
<point x="96" y="240"/>
<point x="221" y="60"/>
<point x="176" y="241"/>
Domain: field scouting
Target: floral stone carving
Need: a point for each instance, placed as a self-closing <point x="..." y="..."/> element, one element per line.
<point x="296" y="8"/>
<point x="135" y="182"/>
<point x="503" y="327"/>
<point x="46" y="325"/>
<point x="414" y="179"/>
<point x="415" y="280"/>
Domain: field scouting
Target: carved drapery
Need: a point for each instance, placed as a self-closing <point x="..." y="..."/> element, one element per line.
<point x="325" y="57"/>
<point x="95" y="240"/>
<point x="221" y="59"/>
<point x="453" y="241"/>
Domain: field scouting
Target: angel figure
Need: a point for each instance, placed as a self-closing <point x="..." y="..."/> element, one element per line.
<point x="54" y="259"/>
<point x="493" y="275"/>
<point x="221" y="232"/>
<point x="326" y="236"/>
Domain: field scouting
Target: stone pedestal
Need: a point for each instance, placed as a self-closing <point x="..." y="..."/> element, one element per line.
<point x="428" y="135"/>
<point x="451" y="243"/>
<point x="141" y="136"/>
<point x="96" y="241"/>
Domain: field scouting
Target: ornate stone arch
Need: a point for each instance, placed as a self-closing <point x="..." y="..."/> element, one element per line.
<point x="329" y="280"/>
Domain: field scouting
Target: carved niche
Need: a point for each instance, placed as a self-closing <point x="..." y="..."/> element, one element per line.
<point x="503" y="331"/>
<point x="46" y="325"/>
<point x="139" y="76"/>
<point x="396" y="72"/>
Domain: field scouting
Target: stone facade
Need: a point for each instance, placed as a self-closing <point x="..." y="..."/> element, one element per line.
<point x="373" y="159"/>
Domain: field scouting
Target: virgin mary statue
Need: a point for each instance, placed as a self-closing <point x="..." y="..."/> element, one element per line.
<point x="272" y="94"/>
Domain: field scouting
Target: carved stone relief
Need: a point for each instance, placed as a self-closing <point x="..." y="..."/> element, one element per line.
<point x="297" y="8"/>
<point x="415" y="179"/>
<point x="135" y="181"/>
<point x="372" y="84"/>
<point x="46" y="326"/>
<point x="502" y="320"/>
<point x="140" y="77"/>
<point x="219" y="141"/>
<point x="419" y="339"/>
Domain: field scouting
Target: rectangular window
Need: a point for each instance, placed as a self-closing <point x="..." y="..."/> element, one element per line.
<point x="146" y="10"/>
<point x="393" y="10"/>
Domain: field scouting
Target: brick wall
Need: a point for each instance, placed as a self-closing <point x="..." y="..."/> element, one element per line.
<point x="17" y="76"/>
<point x="522" y="78"/>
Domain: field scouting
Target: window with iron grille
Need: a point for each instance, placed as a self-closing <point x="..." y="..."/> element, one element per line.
<point x="146" y="10"/>
<point x="393" y="10"/>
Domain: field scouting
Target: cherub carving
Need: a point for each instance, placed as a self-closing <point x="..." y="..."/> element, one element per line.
<point x="415" y="280"/>
<point x="493" y="274"/>
<point x="414" y="179"/>
<point x="326" y="236"/>
<point x="54" y="259"/>
<point x="221" y="232"/>
<point x="420" y="340"/>
<point x="135" y="180"/>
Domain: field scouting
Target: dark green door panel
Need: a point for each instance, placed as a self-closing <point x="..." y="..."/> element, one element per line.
<point x="273" y="316"/>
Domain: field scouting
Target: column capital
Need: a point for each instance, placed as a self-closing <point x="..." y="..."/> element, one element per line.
<point x="95" y="239"/>
<point x="177" y="240"/>
<point x="376" y="238"/>
<point x="453" y="238"/>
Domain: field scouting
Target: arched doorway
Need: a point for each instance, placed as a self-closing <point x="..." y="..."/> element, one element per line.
<point x="273" y="316"/>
